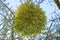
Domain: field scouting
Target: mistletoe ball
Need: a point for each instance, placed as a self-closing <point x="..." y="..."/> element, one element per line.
<point x="29" y="19"/>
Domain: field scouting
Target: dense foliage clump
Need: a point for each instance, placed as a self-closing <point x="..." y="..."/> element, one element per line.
<point x="29" y="19"/>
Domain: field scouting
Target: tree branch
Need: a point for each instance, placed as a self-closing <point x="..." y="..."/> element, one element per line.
<point x="12" y="32"/>
<point x="54" y="19"/>
<point x="57" y="3"/>
<point x="7" y="7"/>
<point x="47" y="38"/>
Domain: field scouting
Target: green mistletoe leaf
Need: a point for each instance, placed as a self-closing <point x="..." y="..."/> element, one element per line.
<point x="29" y="19"/>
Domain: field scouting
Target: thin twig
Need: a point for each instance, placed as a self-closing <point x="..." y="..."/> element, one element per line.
<point x="49" y="30"/>
<point x="7" y="7"/>
<point x="12" y="33"/>
<point x="54" y="19"/>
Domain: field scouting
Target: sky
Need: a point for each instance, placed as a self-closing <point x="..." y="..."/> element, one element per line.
<point x="47" y="6"/>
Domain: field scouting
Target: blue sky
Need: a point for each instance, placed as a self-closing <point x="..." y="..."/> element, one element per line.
<point x="47" y="6"/>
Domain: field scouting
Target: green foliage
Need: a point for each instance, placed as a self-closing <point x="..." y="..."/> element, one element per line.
<point x="29" y="19"/>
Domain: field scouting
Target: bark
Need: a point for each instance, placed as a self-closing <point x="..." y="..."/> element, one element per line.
<point x="57" y="3"/>
<point x="12" y="34"/>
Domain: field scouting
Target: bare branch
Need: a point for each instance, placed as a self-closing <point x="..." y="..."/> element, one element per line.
<point x="7" y="7"/>
<point x="47" y="38"/>
<point x="54" y="19"/>
<point x="57" y="3"/>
